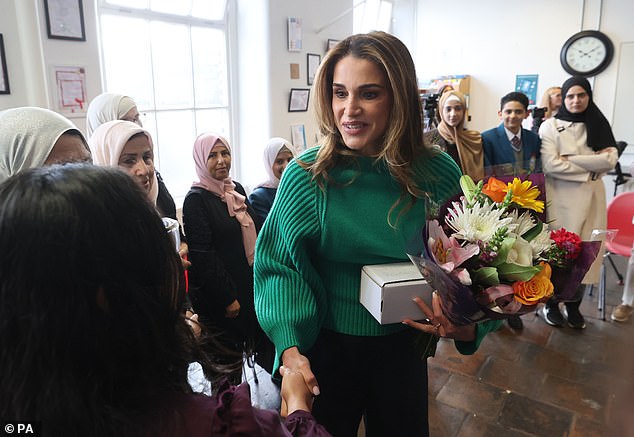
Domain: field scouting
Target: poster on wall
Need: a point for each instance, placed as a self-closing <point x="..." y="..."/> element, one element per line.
<point x="70" y="90"/>
<point x="298" y="138"/>
<point x="527" y="84"/>
<point x="294" y="34"/>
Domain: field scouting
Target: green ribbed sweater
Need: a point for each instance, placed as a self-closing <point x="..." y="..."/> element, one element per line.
<point x="310" y="252"/>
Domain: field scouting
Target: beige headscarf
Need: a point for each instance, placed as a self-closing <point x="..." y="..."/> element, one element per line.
<point x="27" y="136"/>
<point x="225" y="189"/>
<point x="106" y="107"/>
<point x="108" y="141"/>
<point x="468" y="142"/>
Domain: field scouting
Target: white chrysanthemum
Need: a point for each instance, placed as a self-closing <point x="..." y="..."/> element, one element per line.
<point x="524" y="222"/>
<point x="477" y="223"/>
<point x="541" y="242"/>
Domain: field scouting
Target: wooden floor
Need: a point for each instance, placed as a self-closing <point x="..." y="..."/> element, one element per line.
<point x="542" y="381"/>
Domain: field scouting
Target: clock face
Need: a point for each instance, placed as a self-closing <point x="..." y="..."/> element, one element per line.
<point x="587" y="53"/>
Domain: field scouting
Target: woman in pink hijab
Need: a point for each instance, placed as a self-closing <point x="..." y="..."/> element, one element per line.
<point x="221" y="233"/>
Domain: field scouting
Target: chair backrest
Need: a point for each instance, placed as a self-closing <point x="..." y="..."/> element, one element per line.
<point x="621" y="217"/>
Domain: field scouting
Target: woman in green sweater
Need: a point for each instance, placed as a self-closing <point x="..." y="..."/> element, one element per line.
<point x="353" y="201"/>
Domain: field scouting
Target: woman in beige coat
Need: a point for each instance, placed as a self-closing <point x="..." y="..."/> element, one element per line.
<point x="578" y="147"/>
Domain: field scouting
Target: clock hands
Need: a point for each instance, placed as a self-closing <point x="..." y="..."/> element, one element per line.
<point x="587" y="54"/>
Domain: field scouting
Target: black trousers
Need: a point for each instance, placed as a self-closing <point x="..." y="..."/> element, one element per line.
<point x="380" y="378"/>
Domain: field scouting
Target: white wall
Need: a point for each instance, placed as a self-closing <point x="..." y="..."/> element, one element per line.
<point x="494" y="40"/>
<point x="491" y="40"/>
<point x="267" y="80"/>
<point x="31" y="55"/>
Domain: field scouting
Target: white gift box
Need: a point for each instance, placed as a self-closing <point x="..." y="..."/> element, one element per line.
<point x="387" y="291"/>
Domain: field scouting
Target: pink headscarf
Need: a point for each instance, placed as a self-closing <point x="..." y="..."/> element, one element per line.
<point x="225" y="189"/>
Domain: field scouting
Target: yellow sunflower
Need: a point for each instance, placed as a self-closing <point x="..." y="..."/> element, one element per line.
<point x="525" y="195"/>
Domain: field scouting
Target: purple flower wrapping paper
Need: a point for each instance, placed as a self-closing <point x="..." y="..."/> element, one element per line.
<point x="567" y="280"/>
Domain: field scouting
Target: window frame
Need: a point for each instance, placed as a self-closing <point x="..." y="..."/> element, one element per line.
<point x="227" y="26"/>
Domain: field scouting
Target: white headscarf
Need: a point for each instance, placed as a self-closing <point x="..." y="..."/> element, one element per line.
<point x="272" y="148"/>
<point x="108" y="141"/>
<point x="27" y="136"/>
<point x="106" y="107"/>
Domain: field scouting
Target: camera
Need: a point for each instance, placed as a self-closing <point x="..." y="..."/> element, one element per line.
<point x="538" y="113"/>
<point x="430" y="101"/>
<point x="538" y="117"/>
<point x="430" y="106"/>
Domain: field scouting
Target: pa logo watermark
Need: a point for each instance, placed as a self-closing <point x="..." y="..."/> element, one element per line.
<point x="14" y="427"/>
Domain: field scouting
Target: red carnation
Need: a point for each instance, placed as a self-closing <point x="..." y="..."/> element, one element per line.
<point x="569" y="242"/>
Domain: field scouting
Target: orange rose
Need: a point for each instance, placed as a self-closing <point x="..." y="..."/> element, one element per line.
<point x="537" y="289"/>
<point x="495" y="189"/>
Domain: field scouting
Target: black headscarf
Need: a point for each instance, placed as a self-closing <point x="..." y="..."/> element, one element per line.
<point x="598" y="129"/>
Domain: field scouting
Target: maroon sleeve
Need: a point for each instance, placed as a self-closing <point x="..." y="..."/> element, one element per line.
<point x="234" y="415"/>
<point x="302" y="423"/>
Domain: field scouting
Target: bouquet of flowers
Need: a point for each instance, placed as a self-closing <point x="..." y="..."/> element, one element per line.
<point x="489" y="255"/>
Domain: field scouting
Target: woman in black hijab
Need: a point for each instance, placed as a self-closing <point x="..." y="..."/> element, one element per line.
<point x="578" y="148"/>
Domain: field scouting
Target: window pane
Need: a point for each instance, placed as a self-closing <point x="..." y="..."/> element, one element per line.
<point x="210" y="67"/>
<point x="171" y="55"/>
<point x="149" y="122"/>
<point x="213" y="120"/>
<point x="127" y="58"/>
<point x="178" y="7"/>
<point x="175" y="142"/>
<point x="209" y="9"/>
<point x="134" y="4"/>
<point x="385" y="16"/>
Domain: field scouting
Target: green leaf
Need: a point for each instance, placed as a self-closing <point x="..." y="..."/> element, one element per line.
<point x="514" y="272"/>
<point x="468" y="187"/>
<point x="486" y="276"/>
<point x="503" y="251"/>
<point x="533" y="232"/>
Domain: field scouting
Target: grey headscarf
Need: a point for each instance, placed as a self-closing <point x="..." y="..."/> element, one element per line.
<point x="106" y="107"/>
<point x="27" y="136"/>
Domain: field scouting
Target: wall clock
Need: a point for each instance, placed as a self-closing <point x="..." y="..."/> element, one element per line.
<point x="586" y="53"/>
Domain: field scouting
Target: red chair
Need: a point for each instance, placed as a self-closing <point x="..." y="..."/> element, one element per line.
<point x="620" y="218"/>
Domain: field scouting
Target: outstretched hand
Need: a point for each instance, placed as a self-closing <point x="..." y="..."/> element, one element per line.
<point x="438" y="324"/>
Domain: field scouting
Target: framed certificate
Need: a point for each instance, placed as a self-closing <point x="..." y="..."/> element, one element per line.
<point x="4" y="74"/>
<point x="298" y="100"/>
<point x="313" y="61"/>
<point x="65" y="19"/>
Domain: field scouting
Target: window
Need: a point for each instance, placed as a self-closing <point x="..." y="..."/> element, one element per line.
<point x="372" y="15"/>
<point x="171" y="58"/>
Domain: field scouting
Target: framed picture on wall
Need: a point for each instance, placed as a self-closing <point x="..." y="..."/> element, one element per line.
<point x="313" y="61"/>
<point x="70" y="90"/>
<point x="65" y="19"/>
<point x="4" y="74"/>
<point x="331" y="43"/>
<point x="298" y="138"/>
<point x="298" y="100"/>
<point x="294" y="34"/>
